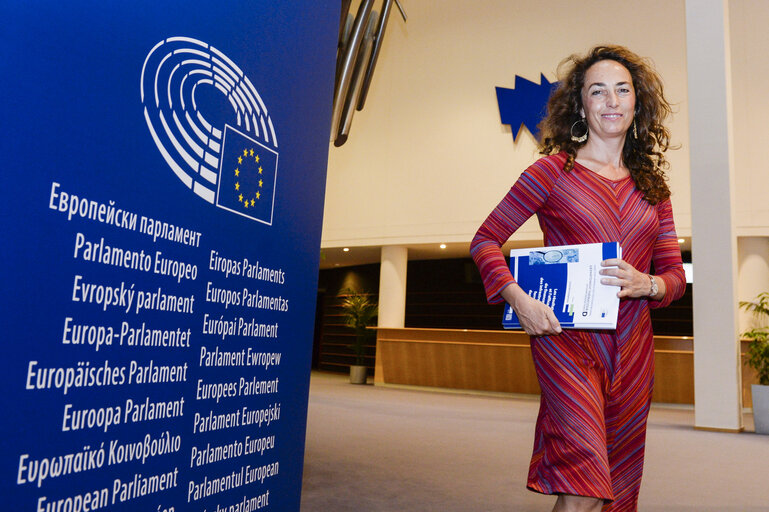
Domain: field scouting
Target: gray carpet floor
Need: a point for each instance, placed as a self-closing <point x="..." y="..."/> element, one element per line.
<point x="383" y="449"/>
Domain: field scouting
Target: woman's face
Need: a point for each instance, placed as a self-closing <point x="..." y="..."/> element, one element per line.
<point x="608" y="99"/>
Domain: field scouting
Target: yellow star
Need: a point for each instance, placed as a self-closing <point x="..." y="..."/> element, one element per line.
<point x="258" y="195"/>
<point x="237" y="172"/>
<point x="257" y="158"/>
<point x="260" y="183"/>
<point x="245" y="152"/>
<point x="237" y="186"/>
<point x="246" y="203"/>
<point x="260" y="169"/>
<point x="240" y="198"/>
<point x="252" y="202"/>
<point x="240" y="160"/>
<point x="252" y="152"/>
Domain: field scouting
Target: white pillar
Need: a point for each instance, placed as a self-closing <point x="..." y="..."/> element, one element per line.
<point x="392" y="286"/>
<point x="753" y="274"/>
<point x="717" y="369"/>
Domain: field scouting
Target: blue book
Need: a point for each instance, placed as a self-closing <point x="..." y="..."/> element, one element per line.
<point x="566" y="279"/>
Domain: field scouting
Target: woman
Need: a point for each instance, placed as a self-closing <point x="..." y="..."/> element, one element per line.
<point x="602" y="181"/>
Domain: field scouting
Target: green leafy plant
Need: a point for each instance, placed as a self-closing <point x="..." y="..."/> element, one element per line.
<point x="359" y="311"/>
<point x="758" y="350"/>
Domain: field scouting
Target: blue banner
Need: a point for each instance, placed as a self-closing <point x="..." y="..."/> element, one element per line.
<point x="164" y="174"/>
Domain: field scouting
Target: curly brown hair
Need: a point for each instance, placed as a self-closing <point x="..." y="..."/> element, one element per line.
<point x="643" y="156"/>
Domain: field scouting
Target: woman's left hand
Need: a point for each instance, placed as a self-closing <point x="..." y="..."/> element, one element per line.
<point x="632" y="283"/>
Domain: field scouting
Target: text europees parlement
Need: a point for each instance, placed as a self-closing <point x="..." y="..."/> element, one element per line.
<point x="127" y="334"/>
<point x="102" y="375"/>
<point x="111" y="453"/>
<point x="122" y="297"/>
<point x="230" y="389"/>
<point x="75" y="206"/>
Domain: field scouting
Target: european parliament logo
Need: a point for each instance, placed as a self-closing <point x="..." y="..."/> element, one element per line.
<point x="525" y="105"/>
<point x="232" y="167"/>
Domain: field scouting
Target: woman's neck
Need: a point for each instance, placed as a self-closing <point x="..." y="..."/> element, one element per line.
<point x="604" y="158"/>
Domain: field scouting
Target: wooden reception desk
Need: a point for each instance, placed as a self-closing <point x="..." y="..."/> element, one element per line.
<point x="501" y="361"/>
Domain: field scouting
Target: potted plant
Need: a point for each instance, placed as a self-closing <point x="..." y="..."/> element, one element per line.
<point x="758" y="359"/>
<point x="360" y="310"/>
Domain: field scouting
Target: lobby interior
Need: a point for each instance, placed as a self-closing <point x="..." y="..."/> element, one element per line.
<point x="426" y="161"/>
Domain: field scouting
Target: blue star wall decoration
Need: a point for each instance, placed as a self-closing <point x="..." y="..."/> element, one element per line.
<point x="525" y="105"/>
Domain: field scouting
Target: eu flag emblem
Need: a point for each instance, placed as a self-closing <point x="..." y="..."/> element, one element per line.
<point x="247" y="175"/>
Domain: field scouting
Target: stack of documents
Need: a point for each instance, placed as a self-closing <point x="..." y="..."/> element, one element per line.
<point x="566" y="278"/>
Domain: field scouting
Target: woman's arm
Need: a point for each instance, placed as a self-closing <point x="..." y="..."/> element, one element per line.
<point x="668" y="268"/>
<point x="525" y="197"/>
<point x="523" y="200"/>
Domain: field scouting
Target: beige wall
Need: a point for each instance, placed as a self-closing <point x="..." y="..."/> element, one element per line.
<point x="427" y="158"/>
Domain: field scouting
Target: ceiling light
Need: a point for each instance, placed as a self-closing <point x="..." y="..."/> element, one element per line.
<point x="443" y="246"/>
<point x="346" y="249"/>
<point x="681" y="240"/>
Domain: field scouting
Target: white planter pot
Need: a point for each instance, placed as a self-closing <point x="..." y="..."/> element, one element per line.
<point x="760" y="408"/>
<point x="357" y="374"/>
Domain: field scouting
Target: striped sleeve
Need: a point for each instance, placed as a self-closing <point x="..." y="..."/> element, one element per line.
<point x="523" y="200"/>
<point x="667" y="258"/>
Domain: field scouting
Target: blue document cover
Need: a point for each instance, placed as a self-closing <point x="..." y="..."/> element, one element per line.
<point x="566" y="279"/>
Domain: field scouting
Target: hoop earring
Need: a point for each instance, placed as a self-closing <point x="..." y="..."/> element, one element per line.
<point x="583" y="137"/>
<point x="635" y="130"/>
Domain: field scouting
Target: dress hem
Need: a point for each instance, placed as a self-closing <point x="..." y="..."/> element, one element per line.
<point x="555" y="491"/>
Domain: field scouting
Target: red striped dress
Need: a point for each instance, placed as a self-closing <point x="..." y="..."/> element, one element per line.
<point x="596" y="385"/>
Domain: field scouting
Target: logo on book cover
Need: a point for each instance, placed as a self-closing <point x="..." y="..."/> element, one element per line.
<point x="211" y="126"/>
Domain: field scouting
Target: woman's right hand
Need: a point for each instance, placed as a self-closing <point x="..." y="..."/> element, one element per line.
<point x="535" y="317"/>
